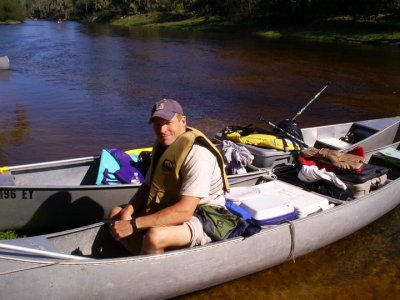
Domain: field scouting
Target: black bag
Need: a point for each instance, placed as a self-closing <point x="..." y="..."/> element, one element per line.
<point x="144" y="160"/>
<point x="292" y="128"/>
<point x="245" y="130"/>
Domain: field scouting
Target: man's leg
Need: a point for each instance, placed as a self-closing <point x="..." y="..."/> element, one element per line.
<point x="189" y="234"/>
<point x="158" y="238"/>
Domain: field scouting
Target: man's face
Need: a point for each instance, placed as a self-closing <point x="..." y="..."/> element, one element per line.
<point x="168" y="131"/>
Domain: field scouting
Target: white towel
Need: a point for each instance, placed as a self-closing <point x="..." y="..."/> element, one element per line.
<point x="236" y="157"/>
<point x="311" y="174"/>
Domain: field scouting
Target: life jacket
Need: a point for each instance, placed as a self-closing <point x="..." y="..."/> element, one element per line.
<point x="166" y="179"/>
<point x="275" y="139"/>
<point x="263" y="140"/>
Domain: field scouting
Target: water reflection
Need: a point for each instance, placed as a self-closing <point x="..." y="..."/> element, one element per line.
<point x="14" y="128"/>
<point x="4" y="74"/>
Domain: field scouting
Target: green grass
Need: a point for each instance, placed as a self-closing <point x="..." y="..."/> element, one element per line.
<point x="9" y="234"/>
<point x="380" y="31"/>
<point x="343" y="29"/>
<point x="10" y="22"/>
<point x="176" y="20"/>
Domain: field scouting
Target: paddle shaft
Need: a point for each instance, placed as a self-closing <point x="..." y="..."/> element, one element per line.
<point x="41" y="252"/>
<point x="309" y="102"/>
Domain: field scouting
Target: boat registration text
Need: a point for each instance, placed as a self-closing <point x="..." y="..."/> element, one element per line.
<point x="13" y="194"/>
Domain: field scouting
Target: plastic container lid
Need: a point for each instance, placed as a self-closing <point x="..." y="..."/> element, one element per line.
<point x="242" y="193"/>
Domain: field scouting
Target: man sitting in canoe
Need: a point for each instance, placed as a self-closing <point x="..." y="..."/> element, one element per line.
<point x="186" y="171"/>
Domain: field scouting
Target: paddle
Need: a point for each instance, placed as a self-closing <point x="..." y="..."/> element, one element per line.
<point x="285" y="132"/>
<point x="309" y="102"/>
<point x="41" y="252"/>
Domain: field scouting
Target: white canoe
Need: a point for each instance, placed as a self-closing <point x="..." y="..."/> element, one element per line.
<point x="85" y="263"/>
<point x="4" y="63"/>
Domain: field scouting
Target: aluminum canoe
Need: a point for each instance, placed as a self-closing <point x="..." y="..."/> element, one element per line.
<point x="369" y="134"/>
<point x="86" y="263"/>
<point x="62" y="194"/>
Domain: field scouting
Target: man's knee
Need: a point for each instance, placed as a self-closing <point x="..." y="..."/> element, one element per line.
<point x="155" y="238"/>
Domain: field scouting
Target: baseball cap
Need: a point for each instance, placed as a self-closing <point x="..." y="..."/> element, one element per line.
<point x="166" y="109"/>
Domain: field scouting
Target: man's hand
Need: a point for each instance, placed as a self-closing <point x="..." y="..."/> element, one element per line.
<point x="120" y="222"/>
<point x="121" y="229"/>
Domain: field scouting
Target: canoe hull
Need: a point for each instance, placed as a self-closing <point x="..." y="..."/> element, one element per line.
<point x="59" y="208"/>
<point x="156" y="276"/>
<point x="56" y="208"/>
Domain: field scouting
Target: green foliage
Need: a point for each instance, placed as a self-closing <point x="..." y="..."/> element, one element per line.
<point x="9" y="235"/>
<point x="267" y="11"/>
<point x="50" y="9"/>
<point x="12" y="10"/>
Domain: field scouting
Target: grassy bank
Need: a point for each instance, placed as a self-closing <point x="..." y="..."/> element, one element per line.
<point x="10" y="22"/>
<point x="381" y="31"/>
<point x="10" y="234"/>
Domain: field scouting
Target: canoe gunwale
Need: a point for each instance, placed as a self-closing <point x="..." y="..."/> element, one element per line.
<point x="265" y="230"/>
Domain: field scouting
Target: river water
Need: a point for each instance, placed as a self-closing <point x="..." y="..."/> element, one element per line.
<point x="74" y="89"/>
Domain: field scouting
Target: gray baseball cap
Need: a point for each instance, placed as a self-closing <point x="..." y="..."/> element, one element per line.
<point x="166" y="109"/>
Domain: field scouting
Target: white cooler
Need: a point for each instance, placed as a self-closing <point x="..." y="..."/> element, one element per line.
<point x="304" y="202"/>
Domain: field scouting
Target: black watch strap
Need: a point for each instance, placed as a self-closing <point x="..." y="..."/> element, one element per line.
<point x="134" y="226"/>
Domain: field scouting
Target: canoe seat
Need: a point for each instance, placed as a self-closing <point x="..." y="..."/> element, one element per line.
<point x="356" y="134"/>
<point x="359" y="132"/>
<point x="6" y="179"/>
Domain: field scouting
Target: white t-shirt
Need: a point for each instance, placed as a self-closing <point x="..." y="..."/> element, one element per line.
<point x="201" y="176"/>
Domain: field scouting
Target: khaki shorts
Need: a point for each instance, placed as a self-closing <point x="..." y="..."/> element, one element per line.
<point x="199" y="237"/>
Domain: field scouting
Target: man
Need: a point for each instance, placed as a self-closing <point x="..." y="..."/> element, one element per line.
<point x="186" y="171"/>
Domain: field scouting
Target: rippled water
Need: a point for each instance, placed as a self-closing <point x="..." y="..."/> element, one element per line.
<point x="74" y="89"/>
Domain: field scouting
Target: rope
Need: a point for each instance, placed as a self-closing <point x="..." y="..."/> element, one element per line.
<point x="269" y="176"/>
<point x="292" y="235"/>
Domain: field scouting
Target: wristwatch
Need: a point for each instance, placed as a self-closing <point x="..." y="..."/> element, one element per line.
<point x="134" y="226"/>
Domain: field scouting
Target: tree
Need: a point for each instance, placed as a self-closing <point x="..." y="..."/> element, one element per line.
<point x="12" y="10"/>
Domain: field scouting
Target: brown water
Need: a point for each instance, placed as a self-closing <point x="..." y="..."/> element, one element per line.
<point x="74" y="89"/>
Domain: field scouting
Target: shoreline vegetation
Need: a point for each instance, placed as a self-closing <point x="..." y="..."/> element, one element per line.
<point x="345" y="29"/>
<point x="340" y="29"/>
<point x="370" y="22"/>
